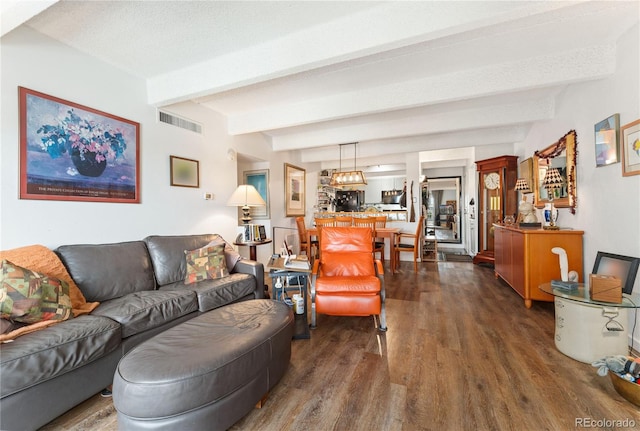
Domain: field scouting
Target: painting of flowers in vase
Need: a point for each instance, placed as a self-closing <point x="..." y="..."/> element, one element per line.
<point x="73" y="152"/>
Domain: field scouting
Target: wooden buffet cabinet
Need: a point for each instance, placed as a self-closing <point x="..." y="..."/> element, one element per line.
<point x="523" y="258"/>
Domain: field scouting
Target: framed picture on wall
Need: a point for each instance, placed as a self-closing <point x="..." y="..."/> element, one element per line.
<point x="184" y="172"/>
<point x="294" y="190"/>
<point x="606" y="138"/>
<point x="260" y="180"/>
<point x="630" y="135"/>
<point x="71" y="152"/>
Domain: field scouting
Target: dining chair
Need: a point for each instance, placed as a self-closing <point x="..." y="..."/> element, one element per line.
<point x="322" y="222"/>
<point x="415" y="246"/>
<point x="381" y="222"/>
<point x="325" y="221"/>
<point x="344" y="221"/>
<point x="302" y="237"/>
<point x="370" y="222"/>
<point x="347" y="280"/>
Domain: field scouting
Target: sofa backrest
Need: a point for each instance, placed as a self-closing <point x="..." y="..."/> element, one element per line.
<point x="108" y="271"/>
<point x="167" y="254"/>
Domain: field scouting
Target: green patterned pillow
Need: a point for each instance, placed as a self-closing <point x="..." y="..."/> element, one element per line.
<point x="206" y="263"/>
<point x="30" y="297"/>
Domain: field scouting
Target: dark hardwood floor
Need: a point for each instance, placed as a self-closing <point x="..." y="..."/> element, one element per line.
<point x="462" y="353"/>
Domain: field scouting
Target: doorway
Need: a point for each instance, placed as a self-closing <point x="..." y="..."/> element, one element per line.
<point x="441" y="204"/>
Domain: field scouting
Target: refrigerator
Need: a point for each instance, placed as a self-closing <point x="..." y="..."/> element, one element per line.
<point x="349" y="201"/>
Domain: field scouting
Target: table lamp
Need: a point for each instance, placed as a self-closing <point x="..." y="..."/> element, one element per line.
<point x="521" y="185"/>
<point x="552" y="180"/>
<point x="246" y="196"/>
<point x="527" y="212"/>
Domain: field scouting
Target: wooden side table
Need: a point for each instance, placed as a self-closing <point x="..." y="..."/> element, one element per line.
<point x="252" y="247"/>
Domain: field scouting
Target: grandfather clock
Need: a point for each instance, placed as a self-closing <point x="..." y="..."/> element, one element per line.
<point x="497" y="198"/>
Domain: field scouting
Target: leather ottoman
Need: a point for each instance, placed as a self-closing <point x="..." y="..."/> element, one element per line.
<point x="206" y="373"/>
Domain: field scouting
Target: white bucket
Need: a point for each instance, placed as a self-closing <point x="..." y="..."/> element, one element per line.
<point x="298" y="304"/>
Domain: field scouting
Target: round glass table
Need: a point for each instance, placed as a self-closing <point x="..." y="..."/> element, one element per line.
<point x="588" y="330"/>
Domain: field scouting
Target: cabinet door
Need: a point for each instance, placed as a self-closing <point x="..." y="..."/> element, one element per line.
<point x="518" y="263"/>
<point x="501" y="253"/>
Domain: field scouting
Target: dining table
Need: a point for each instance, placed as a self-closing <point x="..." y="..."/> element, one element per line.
<point x="381" y="232"/>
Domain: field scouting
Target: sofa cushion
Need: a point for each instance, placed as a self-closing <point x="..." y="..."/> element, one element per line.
<point x="108" y="271"/>
<point x="216" y="293"/>
<point x="141" y="311"/>
<point x="231" y="255"/>
<point x="56" y="350"/>
<point x="29" y="297"/>
<point x="206" y="263"/>
<point x="167" y="255"/>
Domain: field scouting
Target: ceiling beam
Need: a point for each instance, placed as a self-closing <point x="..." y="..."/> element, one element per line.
<point x="577" y="65"/>
<point x="335" y="42"/>
<point x="417" y="123"/>
<point x="14" y="13"/>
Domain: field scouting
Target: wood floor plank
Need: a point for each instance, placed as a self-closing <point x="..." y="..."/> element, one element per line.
<point x="461" y="353"/>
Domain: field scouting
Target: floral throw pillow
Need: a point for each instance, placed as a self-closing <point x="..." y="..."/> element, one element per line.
<point x="29" y="297"/>
<point x="206" y="263"/>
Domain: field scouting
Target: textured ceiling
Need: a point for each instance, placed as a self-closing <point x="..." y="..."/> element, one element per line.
<point x="394" y="76"/>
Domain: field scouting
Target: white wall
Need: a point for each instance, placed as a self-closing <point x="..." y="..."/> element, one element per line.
<point x="608" y="205"/>
<point x="32" y="60"/>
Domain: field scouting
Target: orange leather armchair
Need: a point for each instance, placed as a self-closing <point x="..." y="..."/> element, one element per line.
<point x="346" y="280"/>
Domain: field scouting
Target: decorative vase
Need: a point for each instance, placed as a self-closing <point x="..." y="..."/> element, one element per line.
<point x="550" y="214"/>
<point x="87" y="165"/>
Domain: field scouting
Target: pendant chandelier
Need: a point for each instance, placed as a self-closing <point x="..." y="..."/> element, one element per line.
<point x="348" y="178"/>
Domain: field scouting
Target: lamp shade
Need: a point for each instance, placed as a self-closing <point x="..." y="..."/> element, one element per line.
<point x="246" y="196"/>
<point x="522" y="184"/>
<point x="552" y="179"/>
<point x="348" y="178"/>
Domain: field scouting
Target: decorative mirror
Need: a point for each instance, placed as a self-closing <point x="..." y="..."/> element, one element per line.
<point x="561" y="155"/>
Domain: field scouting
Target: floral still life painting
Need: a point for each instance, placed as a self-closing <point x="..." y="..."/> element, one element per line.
<point x="72" y="152"/>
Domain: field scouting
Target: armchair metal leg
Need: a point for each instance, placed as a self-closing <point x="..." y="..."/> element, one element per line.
<point x="383" y="320"/>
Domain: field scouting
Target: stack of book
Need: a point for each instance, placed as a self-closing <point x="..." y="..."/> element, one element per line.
<point x="254" y="232"/>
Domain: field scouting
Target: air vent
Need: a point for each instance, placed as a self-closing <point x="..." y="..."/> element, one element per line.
<point x="183" y="123"/>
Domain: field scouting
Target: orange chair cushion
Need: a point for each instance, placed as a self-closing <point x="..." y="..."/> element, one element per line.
<point x="353" y="305"/>
<point x="353" y="285"/>
<point x="346" y="239"/>
<point x="346" y="251"/>
<point x="347" y="264"/>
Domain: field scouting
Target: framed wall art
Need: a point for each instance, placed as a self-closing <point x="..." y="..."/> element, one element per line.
<point x="294" y="190"/>
<point x="71" y="152"/>
<point x="630" y="136"/>
<point x="260" y="180"/>
<point x="184" y="172"/>
<point x="607" y="145"/>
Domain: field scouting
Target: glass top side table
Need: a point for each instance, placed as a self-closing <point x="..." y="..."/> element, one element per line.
<point x="582" y="294"/>
<point x="588" y="330"/>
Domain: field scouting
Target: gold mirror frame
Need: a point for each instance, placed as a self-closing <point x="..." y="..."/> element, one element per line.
<point x="561" y="155"/>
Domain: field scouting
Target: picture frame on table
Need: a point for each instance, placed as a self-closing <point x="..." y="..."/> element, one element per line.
<point x="607" y="142"/>
<point x="184" y="172"/>
<point x="71" y="152"/>
<point x="260" y="180"/>
<point x="294" y="190"/>
<point x="630" y="137"/>
<point x="623" y="267"/>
